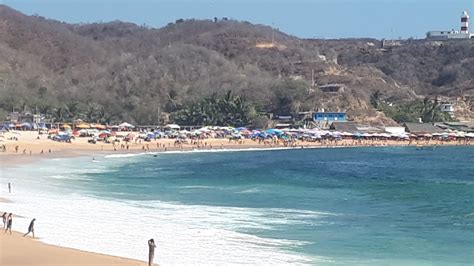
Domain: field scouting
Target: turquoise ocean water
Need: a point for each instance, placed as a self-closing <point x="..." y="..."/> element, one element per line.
<point x="345" y="206"/>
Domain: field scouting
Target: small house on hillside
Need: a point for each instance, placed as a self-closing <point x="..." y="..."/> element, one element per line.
<point x="421" y="128"/>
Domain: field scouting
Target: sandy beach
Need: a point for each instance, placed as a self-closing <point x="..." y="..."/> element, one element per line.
<point x="31" y="148"/>
<point x="18" y="250"/>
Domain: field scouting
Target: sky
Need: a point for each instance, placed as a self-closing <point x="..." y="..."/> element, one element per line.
<point x="303" y="18"/>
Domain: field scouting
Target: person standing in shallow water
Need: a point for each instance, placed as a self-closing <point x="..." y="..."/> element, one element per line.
<point x="151" y="251"/>
<point x="31" y="228"/>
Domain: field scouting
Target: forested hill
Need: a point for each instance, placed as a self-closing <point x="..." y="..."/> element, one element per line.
<point x="215" y="70"/>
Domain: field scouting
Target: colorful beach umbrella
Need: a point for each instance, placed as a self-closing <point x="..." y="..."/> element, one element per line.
<point x="82" y="126"/>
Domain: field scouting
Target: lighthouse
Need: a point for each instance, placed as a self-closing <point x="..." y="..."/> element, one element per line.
<point x="453" y="34"/>
<point x="464" y="23"/>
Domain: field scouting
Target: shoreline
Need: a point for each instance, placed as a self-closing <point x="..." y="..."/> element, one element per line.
<point x="31" y="149"/>
<point x="8" y="160"/>
<point x="12" y="159"/>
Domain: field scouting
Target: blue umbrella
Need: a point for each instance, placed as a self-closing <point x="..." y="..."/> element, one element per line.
<point x="27" y="125"/>
<point x="273" y="131"/>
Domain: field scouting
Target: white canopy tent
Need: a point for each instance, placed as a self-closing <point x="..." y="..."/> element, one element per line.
<point x="127" y="125"/>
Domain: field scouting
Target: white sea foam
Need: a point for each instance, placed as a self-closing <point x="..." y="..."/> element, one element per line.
<point x="185" y="234"/>
<point x="198" y="187"/>
<point x="249" y="191"/>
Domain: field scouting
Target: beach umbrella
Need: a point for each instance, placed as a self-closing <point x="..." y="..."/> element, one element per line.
<point x="99" y="126"/>
<point x="26" y="125"/>
<point x="82" y="126"/>
<point x="273" y="131"/>
<point x="103" y="135"/>
<point x="4" y="128"/>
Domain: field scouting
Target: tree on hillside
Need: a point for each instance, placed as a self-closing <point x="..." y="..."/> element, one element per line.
<point x="375" y="98"/>
<point x="289" y="94"/>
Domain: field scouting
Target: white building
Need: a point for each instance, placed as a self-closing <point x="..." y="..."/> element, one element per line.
<point x="448" y="108"/>
<point x="453" y="34"/>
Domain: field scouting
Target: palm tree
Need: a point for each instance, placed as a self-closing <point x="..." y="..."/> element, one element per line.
<point x="59" y="114"/>
<point x="45" y="108"/>
<point x="72" y="109"/>
<point x="224" y="110"/>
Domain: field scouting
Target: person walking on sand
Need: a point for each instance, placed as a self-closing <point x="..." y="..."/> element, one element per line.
<point x="151" y="251"/>
<point x="4" y="220"/>
<point x="31" y="228"/>
<point x="9" y="223"/>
